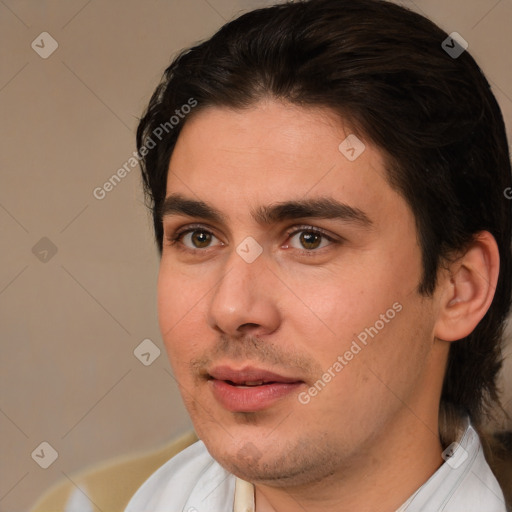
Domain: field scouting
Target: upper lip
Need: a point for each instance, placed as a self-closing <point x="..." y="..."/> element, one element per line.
<point x="248" y="374"/>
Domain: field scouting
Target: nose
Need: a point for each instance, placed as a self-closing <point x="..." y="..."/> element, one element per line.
<point x="244" y="300"/>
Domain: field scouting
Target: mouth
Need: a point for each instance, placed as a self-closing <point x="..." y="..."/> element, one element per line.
<point x="250" y="389"/>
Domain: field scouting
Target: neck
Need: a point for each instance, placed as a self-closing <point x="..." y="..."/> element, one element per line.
<point x="391" y="468"/>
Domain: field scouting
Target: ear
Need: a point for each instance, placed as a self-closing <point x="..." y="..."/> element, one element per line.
<point x="468" y="289"/>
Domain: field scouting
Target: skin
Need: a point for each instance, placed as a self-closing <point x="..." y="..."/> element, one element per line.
<point x="295" y="309"/>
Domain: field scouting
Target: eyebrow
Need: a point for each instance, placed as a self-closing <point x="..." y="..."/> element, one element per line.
<point x="322" y="208"/>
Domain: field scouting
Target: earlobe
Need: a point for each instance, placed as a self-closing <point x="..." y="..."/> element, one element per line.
<point x="468" y="289"/>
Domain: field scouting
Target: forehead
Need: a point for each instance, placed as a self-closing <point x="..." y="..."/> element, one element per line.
<point x="276" y="152"/>
<point x="292" y="134"/>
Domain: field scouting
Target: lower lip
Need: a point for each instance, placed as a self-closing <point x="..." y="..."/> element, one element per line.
<point x="251" y="399"/>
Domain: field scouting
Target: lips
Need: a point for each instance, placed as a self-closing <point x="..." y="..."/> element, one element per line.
<point x="249" y="389"/>
<point x="248" y="376"/>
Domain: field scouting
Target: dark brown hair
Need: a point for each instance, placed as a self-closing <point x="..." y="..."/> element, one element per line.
<point x="382" y="68"/>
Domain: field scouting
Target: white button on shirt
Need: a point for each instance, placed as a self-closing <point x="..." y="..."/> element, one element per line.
<point x="193" y="481"/>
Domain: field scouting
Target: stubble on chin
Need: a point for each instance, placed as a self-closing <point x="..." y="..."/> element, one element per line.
<point x="290" y="464"/>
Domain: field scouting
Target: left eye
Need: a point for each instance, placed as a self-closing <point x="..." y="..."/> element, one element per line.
<point x="310" y="240"/>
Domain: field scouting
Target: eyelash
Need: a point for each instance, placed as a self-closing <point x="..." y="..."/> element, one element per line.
<point x="174" y="238"/>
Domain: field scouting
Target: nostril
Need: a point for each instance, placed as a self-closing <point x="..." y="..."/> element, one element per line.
<point x="248" y="325"/>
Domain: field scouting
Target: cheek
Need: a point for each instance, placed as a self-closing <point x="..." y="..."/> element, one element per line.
<point x="333" y="310"/>
<point x="179" y="308"/>
<point x="180" y="294"/>
<point x="365" y="318"/>
<point x="169" y="307"/>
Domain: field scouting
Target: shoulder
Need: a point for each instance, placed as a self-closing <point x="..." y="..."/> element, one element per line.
<point x="109" y="484"/>
<point x="187" y="477"/>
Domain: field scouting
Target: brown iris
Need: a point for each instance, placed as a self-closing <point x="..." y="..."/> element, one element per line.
<point x="202" y="238"/>
<point x="310" y="240"/>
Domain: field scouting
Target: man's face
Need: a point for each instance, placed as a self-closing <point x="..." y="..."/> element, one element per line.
<point x="298" y="338"/>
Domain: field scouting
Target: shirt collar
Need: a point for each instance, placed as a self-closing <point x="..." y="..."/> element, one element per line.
<point x="244" y="496"/>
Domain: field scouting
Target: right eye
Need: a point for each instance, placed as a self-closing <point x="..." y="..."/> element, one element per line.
<point x="192" y="239"/>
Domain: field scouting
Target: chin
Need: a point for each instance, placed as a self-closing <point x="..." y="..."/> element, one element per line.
<point x="270" y="460"/>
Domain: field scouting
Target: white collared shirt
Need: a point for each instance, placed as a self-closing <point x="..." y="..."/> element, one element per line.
<point x="193" y="481"/>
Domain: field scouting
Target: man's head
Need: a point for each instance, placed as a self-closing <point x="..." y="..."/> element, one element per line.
<point x="340" y="178"/>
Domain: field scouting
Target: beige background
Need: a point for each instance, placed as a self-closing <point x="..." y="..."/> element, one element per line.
<point x="69" y="325"/>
